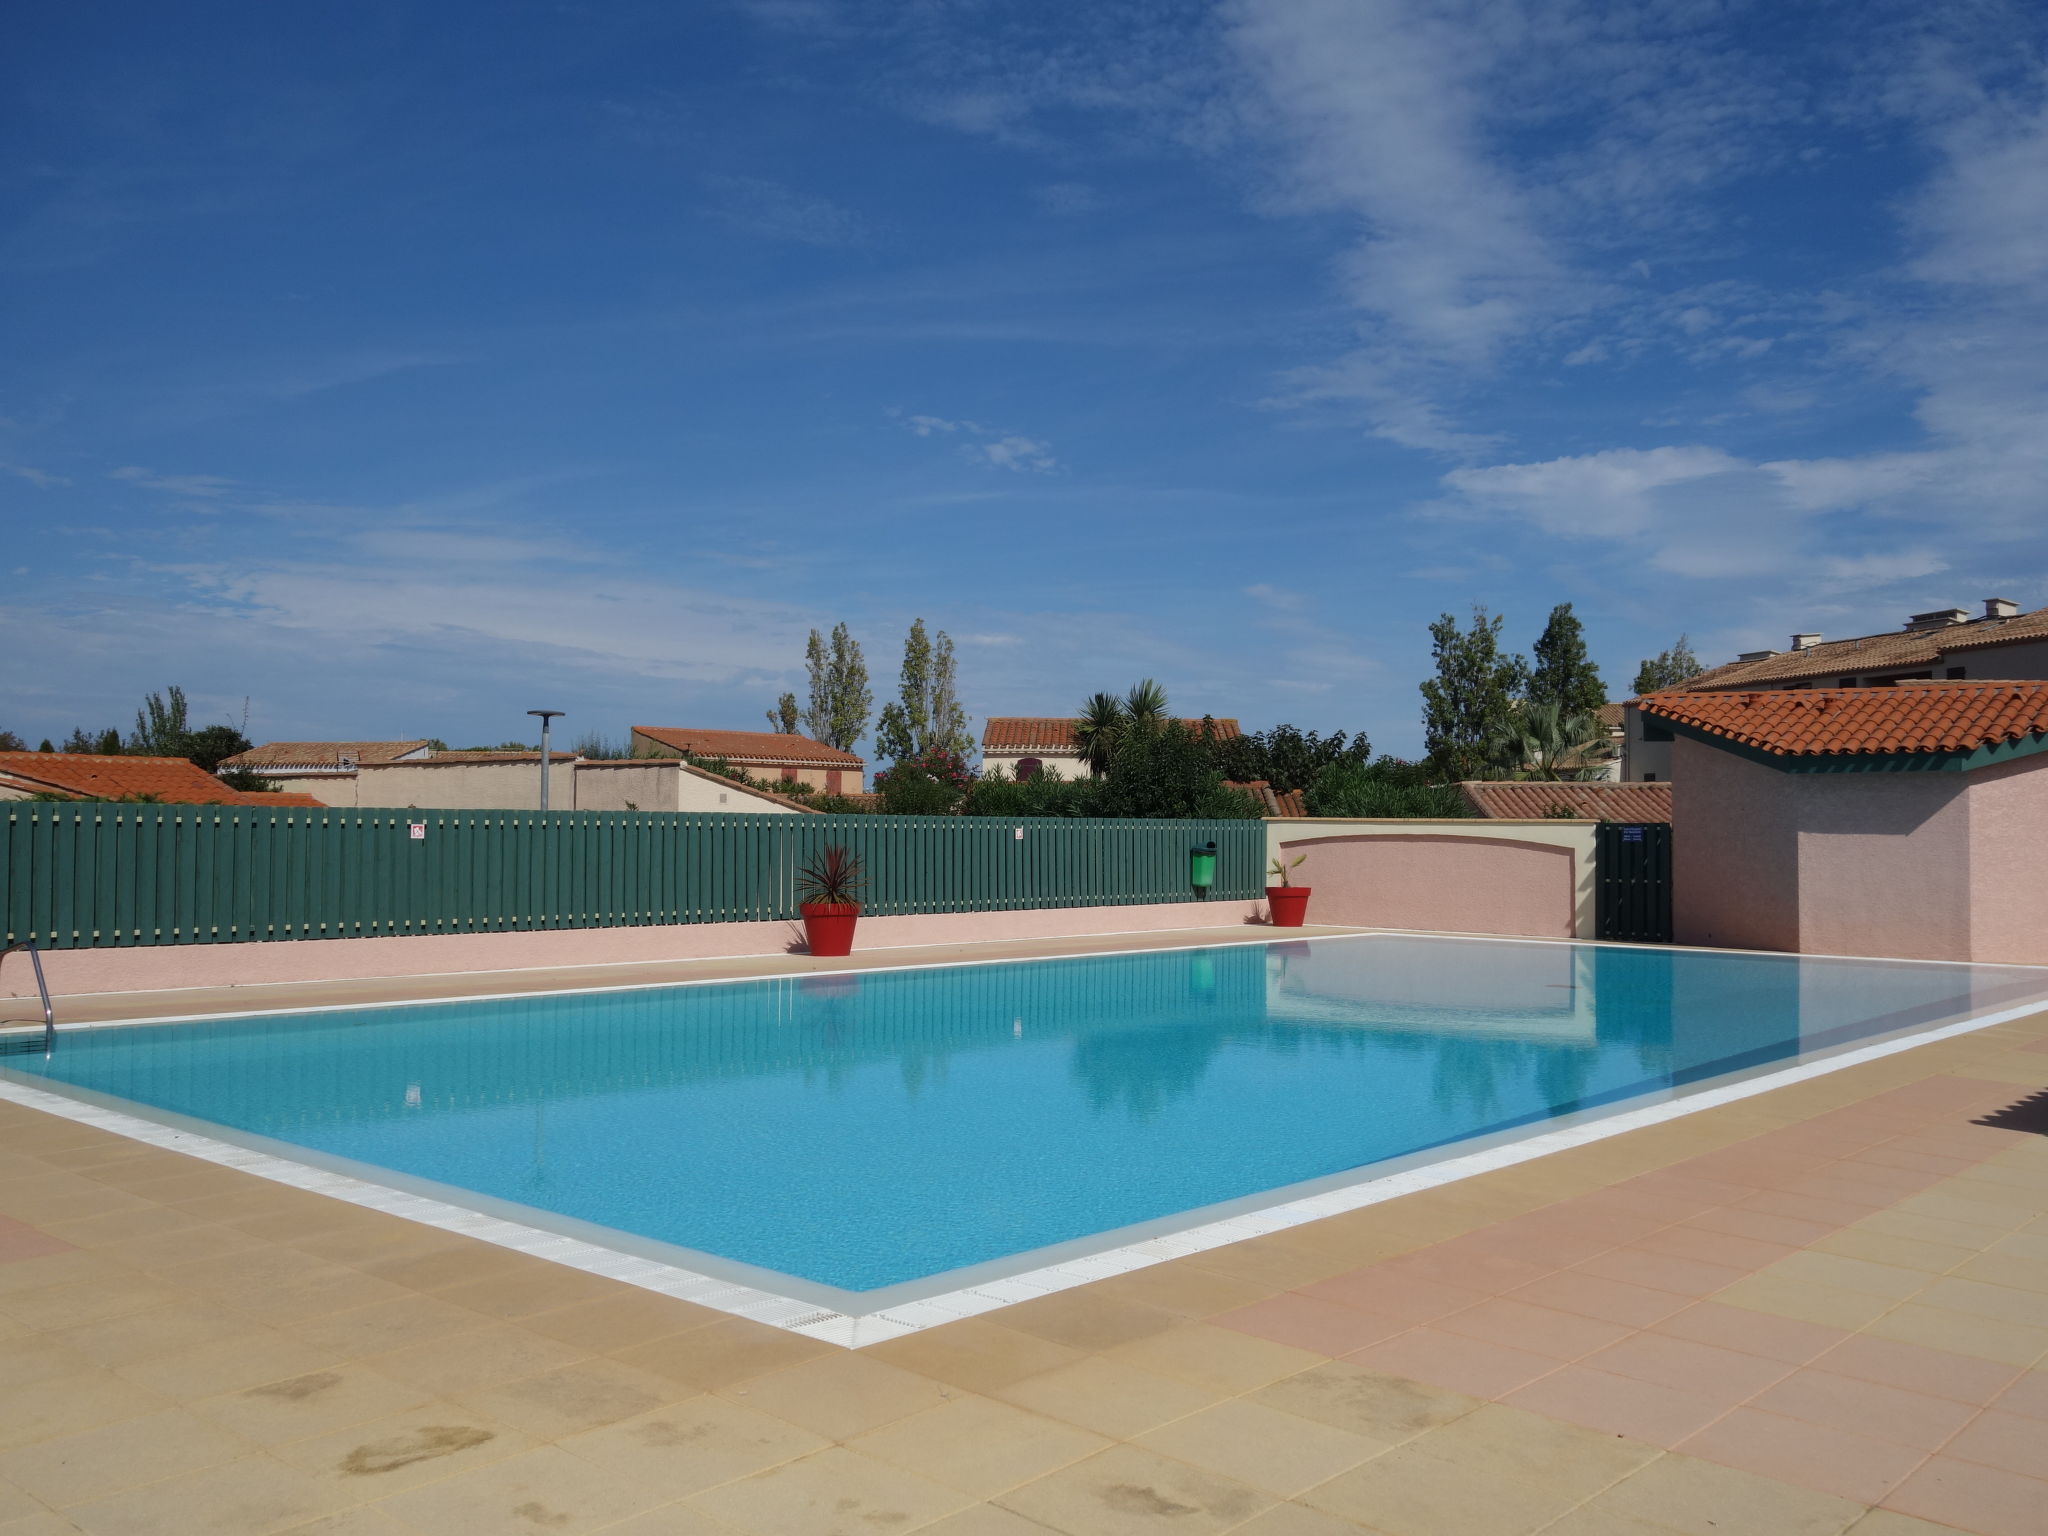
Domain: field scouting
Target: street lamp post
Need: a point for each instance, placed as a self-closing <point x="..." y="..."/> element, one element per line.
<point x="546" y="715"/>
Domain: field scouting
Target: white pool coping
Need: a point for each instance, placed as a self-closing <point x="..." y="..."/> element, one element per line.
<point x="855" y="1330"/>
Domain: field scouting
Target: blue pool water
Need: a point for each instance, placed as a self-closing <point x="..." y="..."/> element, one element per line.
<point x="864" y="1130"/>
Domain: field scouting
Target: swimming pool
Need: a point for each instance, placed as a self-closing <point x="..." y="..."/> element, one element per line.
<point x="859" y="1137"/>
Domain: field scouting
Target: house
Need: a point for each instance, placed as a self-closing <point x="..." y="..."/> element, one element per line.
<point x="1902" y="819"/>
<point x="770" y="755"/>
<point x="324" y="769"/>
<point x="1587" y="800"/>
<point x="1945" y="644"/>
<point x="1027" y="744"/>
<point x="91" y="775"/>
<point x="510" y="781"/>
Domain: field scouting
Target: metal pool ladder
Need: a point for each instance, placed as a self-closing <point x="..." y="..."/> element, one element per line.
<point x="35" y="959"/>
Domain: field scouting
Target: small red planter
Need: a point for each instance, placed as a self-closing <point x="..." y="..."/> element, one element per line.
<point x="1289" y="904"/>
<point x="828" y="926"/>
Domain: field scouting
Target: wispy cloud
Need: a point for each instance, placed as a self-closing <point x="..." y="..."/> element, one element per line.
<point x="40" y="478"/>
<point x="986" y="445"/>
<point x="773" y="211"/>
<point x="197" y="487"/>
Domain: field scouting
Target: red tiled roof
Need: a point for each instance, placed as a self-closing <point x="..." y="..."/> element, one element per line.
<point x="282" y="797"/>
<point x="477" y="755"/>
<point x="320" y="754"/>
<point x="1527" y="800"/>
<point x="1871" y="653"/>
<point x="1055" y="733"/>
<point x="1822" y="722"/>
<point x="173" y="780"/>
<point x="772" y="748"/>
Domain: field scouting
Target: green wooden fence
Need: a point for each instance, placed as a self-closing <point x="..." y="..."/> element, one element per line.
<point x="104" y="875"/>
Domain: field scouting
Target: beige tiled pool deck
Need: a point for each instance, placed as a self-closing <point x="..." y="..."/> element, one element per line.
<point x="1820" y="1309"/>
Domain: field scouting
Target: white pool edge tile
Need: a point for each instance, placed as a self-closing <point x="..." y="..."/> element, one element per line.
<point x="856" y="1331"/>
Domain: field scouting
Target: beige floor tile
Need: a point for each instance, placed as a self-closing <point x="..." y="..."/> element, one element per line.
<point x="315" y="1403"/>
<point x="2020" y="1271"/>
<point x="979" y="1445"/>
<point x="1889" y="1522"/>
<point x="65" y="1405"/>
<point x="835" y="1492"/>
<point x="79" y="1268"/>
<point x="194" y="1242"/>
<point x="379" y="1457"/>
<point x="1128" y="1490"/>
<point x="1703" y="1498"/>
<point x="1596" y="1519"/>
<point x="1963" y="1333"/>
<point x="619" y="1321"/>
<point x="137" y="1336"/>
<point x="545" y="1489"/>
<point x="363" y="1521"/>
<point x="676" y="1519"/>
<point x="2002" y="1303"/>
<point x="1109" y="1397"/>
<point x="476" y="1358"/>
<point x="1085" y="1319"/>
<point x="71" y="1303"/>
<point x="1279" y="1452"/>
<point x="587" y="1395"/>
<point x="1828" y="1305"/>
<point x="228" y="1364"/>
<point x="1184" y="1289"/>
<point x="386" y="1325"/>
<point x="528" y="1291"/>
<point x="977" y="1354"/>
<point x="1409" y="1493"/>
<point x="1218" y="1358"/>
<point x="982" y="1520"/>
<point x="1498" y="1442"/>
<point x="251" y="1497"/>
<point x="1297" y="1520"/>
<point x="1843" y="1272"/>
<point x="838" y="1395"/>
<point x="1898" y="1252"/>
<point x="693" y="1444"/>
<point x="71" y="1469"/>
<point x="1361" y="1402"/>
<point x="29" y="1358"/>
<point x="722" y="1353"/>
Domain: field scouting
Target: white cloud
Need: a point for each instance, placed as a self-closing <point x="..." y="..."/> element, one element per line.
<point x="1004" y="450"/>
<point x="203" y="487"/>
<point x="42" y="479"/>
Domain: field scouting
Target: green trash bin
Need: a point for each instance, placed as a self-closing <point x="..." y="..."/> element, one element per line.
<point x="1202" y="867"/>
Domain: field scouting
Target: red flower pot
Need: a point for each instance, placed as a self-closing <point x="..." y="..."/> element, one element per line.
<point x="828" y="926"/>
<point x="1289" y="904"/>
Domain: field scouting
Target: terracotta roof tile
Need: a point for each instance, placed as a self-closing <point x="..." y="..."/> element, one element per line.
<point x="1872" y="653"/>
<point x="773" y="748"/>
<point x="1055" y="733"/>
<point x="1818" y="722"/>
<point x="172" y="780"/>
<point x="1527" y="800"/>
<point x="476" y="755"/>
<point x="320" y="754"/>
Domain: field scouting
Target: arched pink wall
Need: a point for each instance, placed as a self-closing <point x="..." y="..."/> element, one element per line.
<point x="1448" y="884"/>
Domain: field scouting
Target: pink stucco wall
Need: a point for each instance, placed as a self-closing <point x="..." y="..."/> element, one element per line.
<point x="2009" y="861"/>
<point x="1453" y="884"/>
<point x="74" y="971"/>
<point x="1925" y="866"/>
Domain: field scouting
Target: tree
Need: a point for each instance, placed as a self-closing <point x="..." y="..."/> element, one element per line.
<point x="9" y="742"/>
<point x="926" y="715"/>
<point x="1145" y="705"/>
<point x="212" y="745"/>
<point x="840" y="696"/>
<point x="1667" y="669"/>
<point x="1288" y="757"/>
<point x="785" y="716"/>
<point x="1564" y="675"/>
<point x="1470" y="704"/>
<point x="1098" y="729"/>
<point x="1546" y="742"/>
<point x="1170" y="771"/>
<point x="161" y="725"/>
<point x="1387" y="788"/>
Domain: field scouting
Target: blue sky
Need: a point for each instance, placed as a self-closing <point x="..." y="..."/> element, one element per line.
<point x="401" y="367"/>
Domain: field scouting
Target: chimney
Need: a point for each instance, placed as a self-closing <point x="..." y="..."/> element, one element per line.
<point x="2000" y="607"/>
<point x="1940" y="618"/>
<point x="1805" y="642"/>
<point x="1756" y="655"/>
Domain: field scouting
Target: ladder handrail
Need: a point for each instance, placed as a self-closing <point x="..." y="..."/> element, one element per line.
<point x="35" y="959"/>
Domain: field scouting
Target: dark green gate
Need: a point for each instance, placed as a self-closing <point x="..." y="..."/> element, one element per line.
<point x="1632" y="880"/>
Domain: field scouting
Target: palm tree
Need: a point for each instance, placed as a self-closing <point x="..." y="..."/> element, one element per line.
<point x="1145" y="705"/>
<point x="1098" y="729"/>
<point x="1546" y="743"/>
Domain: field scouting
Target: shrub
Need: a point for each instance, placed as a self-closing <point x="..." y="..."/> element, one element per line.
<point x="1045" y="793"/>
<point x="907" y="790"/>
<point x="1388" y="788"/>
<point x="1170" y="772"/>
